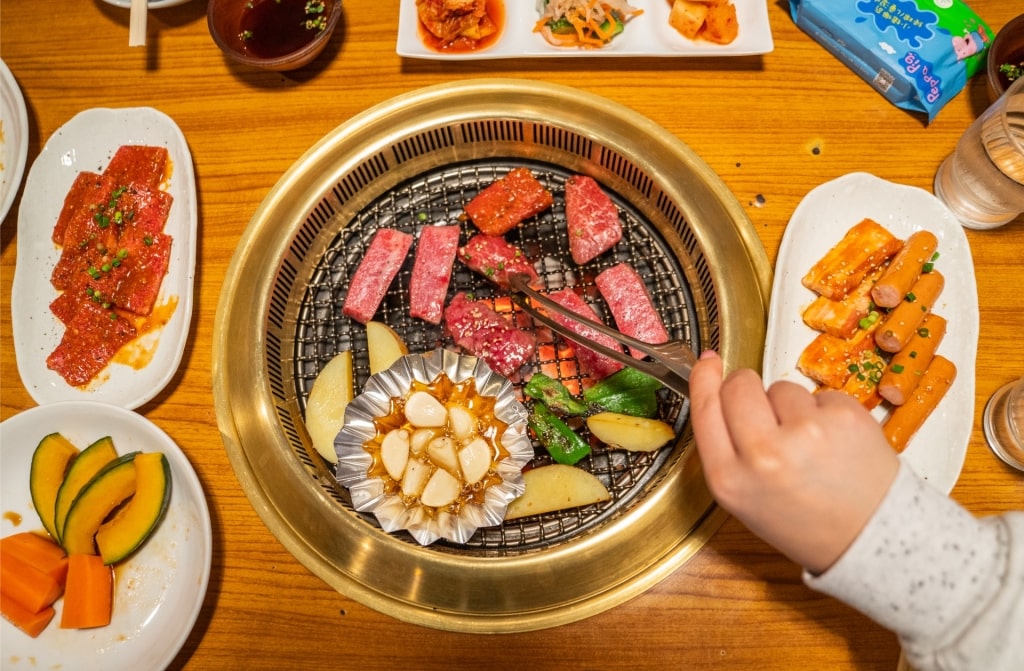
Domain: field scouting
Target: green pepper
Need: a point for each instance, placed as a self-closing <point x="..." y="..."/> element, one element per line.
<point x="563" y="444"/>
<point x="628" y="392"/>
<point x="554" y="395"/>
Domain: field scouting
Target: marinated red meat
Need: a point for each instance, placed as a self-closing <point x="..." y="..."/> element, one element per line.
<point x="508" y="201"/>
<point x="91" y="339"/>
<point x="432" y="272"/>
<point x="88" y="189"/>
<point x="114" y="258"/>
<point x="591" y="218"/>
<point x="451" y="20"/>
<point x="596" y="364"/>
<point x="489" y="335"/>
<point x="635" y="315"/>
<point x="141" y="165"/>
<point x="375" y="273"/>
<point x="494" y="258"/>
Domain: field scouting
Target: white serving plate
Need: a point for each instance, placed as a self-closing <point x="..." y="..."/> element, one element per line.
<point x="87" y="142"/>
<point x="13" y="139"/>
<point x="158" y="591"/>
<point x="646" y="35"/>
<point x="937" y="451"/>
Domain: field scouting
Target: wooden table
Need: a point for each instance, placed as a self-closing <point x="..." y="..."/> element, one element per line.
<point x="772" y="127"/>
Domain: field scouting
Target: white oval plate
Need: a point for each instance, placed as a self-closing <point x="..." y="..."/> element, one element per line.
<point x="13" y="139"/>
<point x="937" y="451"/>
<point x="646" y="35"/>
<point x="158" y="592"/>
<point x="87" y="142"/>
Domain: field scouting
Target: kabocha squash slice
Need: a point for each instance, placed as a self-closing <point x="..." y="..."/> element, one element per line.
<point x="90" y="462"/>
<point x="50" y="462"/>
<point x="132" y="524"/>
<point x="108" y="489"/>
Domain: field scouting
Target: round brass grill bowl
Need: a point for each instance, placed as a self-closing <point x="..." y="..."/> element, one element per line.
<point x="279" y="321"/>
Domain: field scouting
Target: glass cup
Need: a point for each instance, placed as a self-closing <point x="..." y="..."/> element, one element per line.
<point x="982" y="181"/>
<point x="1003" y="422"/>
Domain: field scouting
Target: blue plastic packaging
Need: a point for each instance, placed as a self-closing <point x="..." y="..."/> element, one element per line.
<point x="917" y="53"/>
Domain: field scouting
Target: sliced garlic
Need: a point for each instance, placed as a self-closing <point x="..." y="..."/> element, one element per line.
<point x="423" y="410"/>
<point x="420" y="439"/>
<point x="475" y="460"/>
<point x="442" y="489"/>
<point x="441" y="451"/>
<point x="394" y="452"/>
<point x="462" y="422"/>
<point x="416" y="473"/>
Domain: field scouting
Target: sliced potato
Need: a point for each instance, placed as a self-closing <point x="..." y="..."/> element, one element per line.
<point x="325" y="408"/>
<point x="556" y="487"/>
<point x="637" y="434"/>
<point x="385" y="346"/>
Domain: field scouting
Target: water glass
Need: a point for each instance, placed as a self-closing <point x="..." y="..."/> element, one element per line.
<point x="982" y="181"/>
<point x="1003" y="422"/>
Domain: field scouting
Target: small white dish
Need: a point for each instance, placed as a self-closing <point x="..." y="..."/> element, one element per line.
<point x="159" y="590"/>
<point x="937" y="451"/>
<point x="87" y="142"/>
<point x="13" y="139"/>
<point x="646" y="35"/>
<point x="153" y="4"/>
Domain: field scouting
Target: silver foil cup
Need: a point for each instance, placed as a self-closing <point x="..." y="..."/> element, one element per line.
<point x="375" y="401"/>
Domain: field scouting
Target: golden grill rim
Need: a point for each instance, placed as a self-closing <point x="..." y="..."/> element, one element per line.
<point x="593" y="572"/>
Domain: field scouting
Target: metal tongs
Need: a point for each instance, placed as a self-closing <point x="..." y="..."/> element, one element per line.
<point x="673" y="360"/>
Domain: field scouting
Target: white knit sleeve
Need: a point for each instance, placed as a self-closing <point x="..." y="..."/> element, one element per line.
<point x="949" y="585"/>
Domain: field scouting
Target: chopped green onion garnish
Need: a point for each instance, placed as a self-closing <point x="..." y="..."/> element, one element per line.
<point x="896" y="368"/>
<point x="911" y="297"/>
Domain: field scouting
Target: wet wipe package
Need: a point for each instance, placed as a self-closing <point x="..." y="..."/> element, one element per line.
<point x="916" y="53"/>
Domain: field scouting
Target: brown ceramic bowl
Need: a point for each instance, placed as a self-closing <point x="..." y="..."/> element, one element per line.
<point x="272" y="34"/>
<point x="1007" y="47"/>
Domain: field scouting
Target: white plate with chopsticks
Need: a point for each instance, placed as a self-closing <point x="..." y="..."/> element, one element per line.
<point x="937" y="451"/>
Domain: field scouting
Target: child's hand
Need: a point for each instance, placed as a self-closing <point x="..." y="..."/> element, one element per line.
<point x="803" y="471"/>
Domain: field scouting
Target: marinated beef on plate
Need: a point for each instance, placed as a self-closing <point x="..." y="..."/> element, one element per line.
<point x="114" y="256"/>
<point x="452" y="21"/>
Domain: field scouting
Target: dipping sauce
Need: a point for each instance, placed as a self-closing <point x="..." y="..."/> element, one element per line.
<point x="275" y="28"/>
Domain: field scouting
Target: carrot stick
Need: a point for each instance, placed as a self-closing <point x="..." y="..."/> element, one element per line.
<point x="22" y="618"/>
<point x="23" y="583"/>
<point x="38" y="552"/>
<point x="88" y="598"/>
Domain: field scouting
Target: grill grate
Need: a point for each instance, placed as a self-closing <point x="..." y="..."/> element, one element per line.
<point x="437" y="196"/>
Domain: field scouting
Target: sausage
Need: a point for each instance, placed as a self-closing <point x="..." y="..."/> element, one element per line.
<point x="901" y="323"/>
<point x="904" y="421"/>
<point x="904" y="269"/>
<point x="908" y="365"/>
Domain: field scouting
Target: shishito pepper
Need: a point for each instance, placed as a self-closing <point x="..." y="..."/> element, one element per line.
<point x="628" y="392"/>
<point x="554" y="395"/>
<point x="565" y="445"/>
